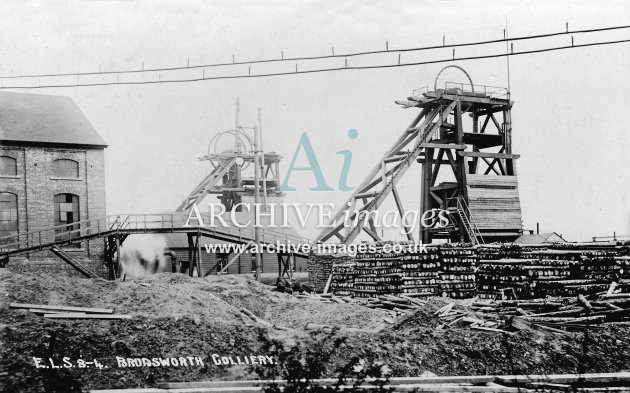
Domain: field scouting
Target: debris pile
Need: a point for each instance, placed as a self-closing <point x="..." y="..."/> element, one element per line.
<point x="547" y="315"/>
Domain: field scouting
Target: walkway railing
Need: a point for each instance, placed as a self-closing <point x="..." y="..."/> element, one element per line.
<point x="135" y="223"/>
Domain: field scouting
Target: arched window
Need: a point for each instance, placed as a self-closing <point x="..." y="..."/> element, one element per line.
<point x="66" y="213"/>
<point x="65" y="168"/>
<point x="8" y="214"/>
<point x="8" y="166"/>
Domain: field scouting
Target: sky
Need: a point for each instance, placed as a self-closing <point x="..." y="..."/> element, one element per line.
<point x="569" y="116"/>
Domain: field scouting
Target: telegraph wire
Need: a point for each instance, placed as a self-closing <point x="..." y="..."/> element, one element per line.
<point x="297" y="72"/>
<point x="322" y="57"/>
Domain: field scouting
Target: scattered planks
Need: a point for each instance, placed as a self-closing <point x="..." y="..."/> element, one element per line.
<point x="557" y="315"/>
<point x="69" y="312"/>
<point x="261" y="322"/>
<point x="401" y="308"/>
<point x="460" y="313"/>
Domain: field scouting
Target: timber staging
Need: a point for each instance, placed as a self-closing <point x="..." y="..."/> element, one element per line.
<point x="602" y="382"/>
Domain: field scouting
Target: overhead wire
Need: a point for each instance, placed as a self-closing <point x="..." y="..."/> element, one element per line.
<point x="321" y="57"/>
<point x="330" y="69"/>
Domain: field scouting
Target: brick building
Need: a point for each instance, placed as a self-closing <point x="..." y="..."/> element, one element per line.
<point x="52" y="168"/>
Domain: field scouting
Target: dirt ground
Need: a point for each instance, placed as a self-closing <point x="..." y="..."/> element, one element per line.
<point x="178" y="316"/>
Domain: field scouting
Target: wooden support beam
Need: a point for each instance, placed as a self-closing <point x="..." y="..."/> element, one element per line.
<point x="452" y="162"/>
<point x="438" y="164"/>
<point x="401" y="211"/>
<point x="460" y="162"/>
<point x="117" y="265"/>
<point x="233" y="259"/>
<point x="484" y="125"/>
<point x="198" y="245"/>
<point x="496" y="123"/>
<point x="191" y="246"/>
<point x="444" y="146"/>
<point x="488" y="155"/>
<point x="426" y="116"/>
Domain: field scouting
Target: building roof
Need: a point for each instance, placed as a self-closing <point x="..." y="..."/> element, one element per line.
<point x="540" y="238"/>
<point x="38" y="119"/>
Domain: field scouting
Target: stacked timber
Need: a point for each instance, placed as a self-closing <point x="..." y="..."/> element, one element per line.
<point x="623" y="264"/>
<point x="457" y="277"/>
<point x="392" y="273"/>
<point x="421" y="272"/>
<point x="577" y="268"/>
<point x="342" y="282"/>
<point x="377" y="274"/>
<point x="320" y="268"/>
<point x="498" y="251"/>
<point x="493" y="276"/>
<point x="557" y="273"/>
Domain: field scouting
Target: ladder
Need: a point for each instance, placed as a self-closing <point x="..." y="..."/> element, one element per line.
<point x="468" y="223"/>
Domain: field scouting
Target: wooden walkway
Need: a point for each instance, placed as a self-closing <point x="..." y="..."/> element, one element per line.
<point x="127" y="224"/>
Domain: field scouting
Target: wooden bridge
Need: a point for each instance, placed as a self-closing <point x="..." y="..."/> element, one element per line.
<point x="114" y="229"/>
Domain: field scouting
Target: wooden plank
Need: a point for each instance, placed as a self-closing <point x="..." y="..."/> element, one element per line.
<point x="451" y="388"/>
<point x="72" y="262"/>
<point x="488" y="155"/>
<point x="471" y="379"/>
<point x="444" y="146"/>
<point x="475" y="180"/>
<point x="566" y="378"/>
<point x="61" y="308"/>
<point x="41" y="311"/>
<point x="327" y="286"/>
<point x="141" y="390"/>
<point x="491" y="329"/>
<point x="86" y="316"/>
